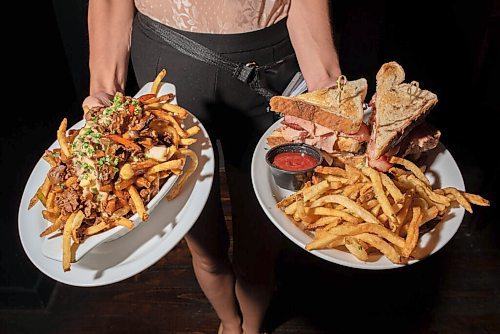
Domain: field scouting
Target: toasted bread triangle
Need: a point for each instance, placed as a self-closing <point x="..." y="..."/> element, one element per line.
<point x="398" y="110"/>
<point x="322" y="106"/>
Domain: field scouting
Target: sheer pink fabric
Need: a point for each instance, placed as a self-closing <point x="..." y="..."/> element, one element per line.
<point x="215" y="16"/>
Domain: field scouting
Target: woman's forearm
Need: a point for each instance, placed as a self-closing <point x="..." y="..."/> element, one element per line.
<point x="311" y="35"/>
<point x="110" y="26"/>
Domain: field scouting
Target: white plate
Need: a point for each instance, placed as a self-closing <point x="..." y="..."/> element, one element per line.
<point x="442" y="172"/>
<point x="148" y="242"/>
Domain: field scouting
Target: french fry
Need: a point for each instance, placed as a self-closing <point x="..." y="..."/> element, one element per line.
<point x="50" y="216"/>
<point x="52" y="228"/>
<point x="139" y="167"/>
<point x="350" y="205"/>
<point x="75" y="225"/>
<point x="121" y="211"/>
<point x="290" y="209"/>
<point x="376" y="229"/>
<point x="142" y="182"/>
<point x="427" y="216"/>
<point x="354" y="246"/>
<point x="163" y="115"/>
<point x="323" y="221"/>
<point x="178" y="111"/>
<point x="401" y="215"/>
<point x="156" y="83"/>
<point x="411" y="167"/>
<point x="194" y="130"/>
<point x="175" y="135"/>
<point x="123" y="184"/>
<point x="49" y="157"/>
<point x="391" y="187"/>
<point x="123" y="222"/>
<point x="322" y="211"/>
<point x="187" y="141"/>
<point x="159" y="99"/>
<point x="285" y="202"/>
<point x="68" y="228"/>
<point x="168" y="165"/>
<point x="412" y="234"/>
<point x="139" y="205"/>
<point x="398" y="172"/>
<point x="325" y="241"/>
<point x="299" y="211"/>
<point x="383" y="246"/>
<point x="126" y="172"/>
<point x="337" y="171"/>
<point x="457" y="195"/>
<point x="355" y="174"/>
<point x="380" y="193"/>
<point x="315" y="190"/>
<point x="61" y="138"/>
<point x="94" y="229"/>
<point x="476" y="199"/>
<point x="174" y="192"/>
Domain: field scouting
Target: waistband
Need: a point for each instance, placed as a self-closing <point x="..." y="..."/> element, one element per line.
<point x="226" y="43"/>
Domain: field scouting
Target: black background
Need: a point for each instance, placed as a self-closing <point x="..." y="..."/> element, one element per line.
<point x="451" y="48"/>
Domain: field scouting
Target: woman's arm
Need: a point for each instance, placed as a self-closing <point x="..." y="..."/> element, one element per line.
<point x="110" y="27"/>
<point x="311" y="35"/>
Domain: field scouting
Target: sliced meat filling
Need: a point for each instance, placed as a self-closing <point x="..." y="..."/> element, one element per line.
<point x="296" y="129"/>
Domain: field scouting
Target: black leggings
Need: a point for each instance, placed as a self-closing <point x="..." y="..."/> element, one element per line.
<point x="233" y="114"/>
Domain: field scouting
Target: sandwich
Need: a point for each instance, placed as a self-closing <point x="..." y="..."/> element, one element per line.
<point x="330" y="119"/>
<point x="396" y="125"/>
<point x="398" y="119"/>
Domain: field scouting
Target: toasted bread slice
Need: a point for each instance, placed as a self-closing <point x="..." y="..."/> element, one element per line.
<point x="276" y="138"/>
<point x="399" y="108"/>
<point x="322" y="106"/>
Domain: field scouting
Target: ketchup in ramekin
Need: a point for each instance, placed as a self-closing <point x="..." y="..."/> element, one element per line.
<point x="292" y="164"/>
<point x="294" y="161"/>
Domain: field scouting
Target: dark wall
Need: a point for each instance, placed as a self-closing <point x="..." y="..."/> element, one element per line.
<point x="41" y="93"/>
<point x="450" y="49"/>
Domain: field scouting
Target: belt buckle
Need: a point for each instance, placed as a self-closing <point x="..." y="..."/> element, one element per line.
<point x="252" y="64"/>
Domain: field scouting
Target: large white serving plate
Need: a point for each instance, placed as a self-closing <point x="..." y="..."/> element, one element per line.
<point x="116" y="255"/>
<point x="442" y="172"/>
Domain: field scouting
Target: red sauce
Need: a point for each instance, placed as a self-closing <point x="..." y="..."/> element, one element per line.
<point x="294" y="161"/>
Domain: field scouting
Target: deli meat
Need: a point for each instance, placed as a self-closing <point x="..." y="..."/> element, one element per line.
<point x="423" y="138"/>
<point x="299" y="130"/>
<point x="292" y="134"/>
<point x="56" y="174"/>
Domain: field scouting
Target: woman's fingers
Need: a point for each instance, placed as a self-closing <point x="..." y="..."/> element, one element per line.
<point x="98" y="99"/>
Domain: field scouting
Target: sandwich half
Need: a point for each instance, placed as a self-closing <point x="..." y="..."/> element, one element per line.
<point x="324" y="120"/>
<point x="397" y="120"/>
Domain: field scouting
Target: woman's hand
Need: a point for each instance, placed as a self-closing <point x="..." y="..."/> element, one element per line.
<point x="110" y="27"/>
<point x="311" y="35"/>
<point x="98" y="99"/>
<point x="330" y="80"/>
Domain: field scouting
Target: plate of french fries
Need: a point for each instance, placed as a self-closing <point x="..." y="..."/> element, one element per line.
<point x="130" y="174"/>
<point x="361" y="218"/>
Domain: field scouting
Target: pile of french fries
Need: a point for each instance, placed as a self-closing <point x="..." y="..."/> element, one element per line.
<point x="363" y="210"/>
<point x="137" y="180"/>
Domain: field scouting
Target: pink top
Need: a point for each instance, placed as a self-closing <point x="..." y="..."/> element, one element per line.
<point x="215" y="16"/>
